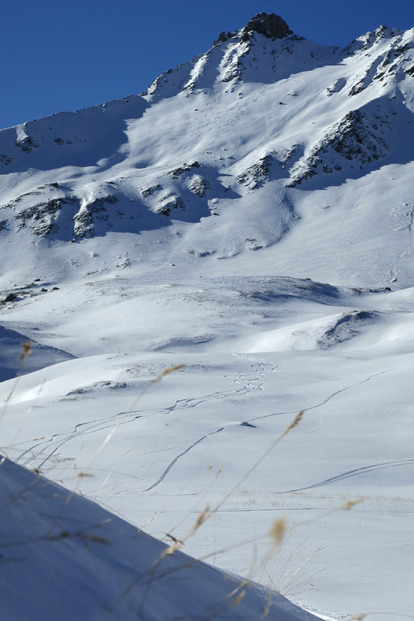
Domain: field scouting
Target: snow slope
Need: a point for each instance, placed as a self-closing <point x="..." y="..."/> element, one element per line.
<point x="257" y="128"/>
<point x="249" y="217"/>
<point x="97" y="566"/>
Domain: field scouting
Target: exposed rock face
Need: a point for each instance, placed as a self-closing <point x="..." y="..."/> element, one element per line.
<point x="256" y="174"/>
<point x="223" y="36"/>
<point x="356" y="140"/>
<point x="85" y="219"/>
<point x="27" y="144"/>
<point x="41" y="217"/>
<point x="271" y="26"/>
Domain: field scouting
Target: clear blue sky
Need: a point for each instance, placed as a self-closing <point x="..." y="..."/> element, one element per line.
<point x="65" y="55"/>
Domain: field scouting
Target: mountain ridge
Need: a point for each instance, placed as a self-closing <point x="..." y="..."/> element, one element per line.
<point x="253" y="111"/>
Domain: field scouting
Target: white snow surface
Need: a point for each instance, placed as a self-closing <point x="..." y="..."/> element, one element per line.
<point x="97" y="566"/>
<point x="248" y="220"/>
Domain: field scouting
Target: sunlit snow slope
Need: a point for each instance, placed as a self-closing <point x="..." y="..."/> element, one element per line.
<point x="249" y="217"/>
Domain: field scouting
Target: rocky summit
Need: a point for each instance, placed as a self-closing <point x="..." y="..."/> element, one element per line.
<point x="271" y="26"/>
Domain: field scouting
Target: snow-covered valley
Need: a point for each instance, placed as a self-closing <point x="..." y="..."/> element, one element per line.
<point x="246" y="223"/>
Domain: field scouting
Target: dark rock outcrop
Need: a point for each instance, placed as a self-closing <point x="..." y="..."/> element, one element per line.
<point x="223" y="36"/>
<point x="27" y="144"/>
<point x="256" y="174"/>
<point x="357" y="140"/>
<point x="271" y="26"/>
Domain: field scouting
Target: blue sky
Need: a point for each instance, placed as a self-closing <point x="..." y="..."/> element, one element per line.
<point x="61" y="55"/>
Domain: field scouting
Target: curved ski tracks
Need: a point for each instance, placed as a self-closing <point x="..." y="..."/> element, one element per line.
<point x="48" y="448"/>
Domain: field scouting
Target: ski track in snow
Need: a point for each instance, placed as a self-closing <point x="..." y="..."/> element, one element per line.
<point x="174" y="461"/>
<point x="249" y="384"/>
<point x="67" y="438"/>
<point x="321" y="403"/>
<point x="86" y="428"/>
<point x="352" y="473"/>
<point x="194" y="444"/>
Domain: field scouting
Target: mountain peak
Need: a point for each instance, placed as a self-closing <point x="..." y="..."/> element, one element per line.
<point x="270" y="26"/>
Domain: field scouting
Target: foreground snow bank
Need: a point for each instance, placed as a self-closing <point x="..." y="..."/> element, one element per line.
<point x="66" y="557"/>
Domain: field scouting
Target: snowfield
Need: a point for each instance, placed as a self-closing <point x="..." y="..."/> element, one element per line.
<point x="193" y="267"/>
<point x="93" y="565"/>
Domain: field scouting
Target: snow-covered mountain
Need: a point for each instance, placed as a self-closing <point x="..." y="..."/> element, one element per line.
<point x="248" y="123"/>
<point x="248" y="216"/>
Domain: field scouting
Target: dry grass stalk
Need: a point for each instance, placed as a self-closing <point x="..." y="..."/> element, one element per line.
<point x="154" y="517"/>
<point x="239" y="598"/>
<point x="278" y="530"/>
<point x="200" y="520"/>
<point x="7" y="399"/>
<point x="218" y="472"/>
<point x="181" y="543"/>
<point x="167" y="372"/>
<point x="345" y="507"/>
<point x="26" y="350"/>
<point x="239" y="591"/>
<point x="268" y="605"/>
<point x="172" y="548"/>
<point x="94" y="538"/>
<point x="351" y="503"/>
<point x="294" y="423"/>
<point x="176" y="545"/>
